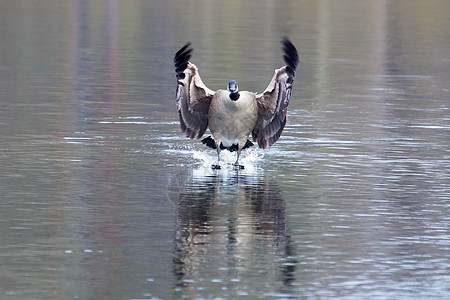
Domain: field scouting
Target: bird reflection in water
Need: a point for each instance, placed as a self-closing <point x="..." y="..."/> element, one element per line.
<point x="230" y="231"/>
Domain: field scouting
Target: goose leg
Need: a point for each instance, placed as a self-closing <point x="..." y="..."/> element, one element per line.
<point x="217" y="166"/>
<point x="236" y="164"/>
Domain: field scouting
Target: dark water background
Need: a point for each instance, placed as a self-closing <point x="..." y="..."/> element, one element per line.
<point x="103" y="198"/>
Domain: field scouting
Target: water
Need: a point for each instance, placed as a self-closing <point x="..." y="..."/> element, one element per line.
<point x="103" y="198"/>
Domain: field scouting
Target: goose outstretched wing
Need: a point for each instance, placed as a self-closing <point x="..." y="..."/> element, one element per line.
<point x="193" y="97"/>
<point x="273" y="102"/>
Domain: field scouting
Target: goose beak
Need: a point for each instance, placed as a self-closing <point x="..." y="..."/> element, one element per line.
<point x="232" y="86"/>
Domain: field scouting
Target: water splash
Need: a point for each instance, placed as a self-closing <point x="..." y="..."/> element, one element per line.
<point x="227" y="158"/>
<point x="250" y="159"/>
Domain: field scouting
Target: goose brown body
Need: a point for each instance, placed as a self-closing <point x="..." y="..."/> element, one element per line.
<point x="231" y="122"/>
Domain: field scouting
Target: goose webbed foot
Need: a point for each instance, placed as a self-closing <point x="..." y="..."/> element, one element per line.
<point x="237" y="165"/>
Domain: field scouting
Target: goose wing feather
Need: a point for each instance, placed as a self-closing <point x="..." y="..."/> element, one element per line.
<point x="192" y="96"/>
<point x="273" y="102"/>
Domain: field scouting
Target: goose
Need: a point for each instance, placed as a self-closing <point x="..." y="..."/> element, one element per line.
<point x="232" y="115"/>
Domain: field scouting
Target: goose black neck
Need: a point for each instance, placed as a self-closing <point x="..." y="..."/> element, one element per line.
<point x="234" y="96"/>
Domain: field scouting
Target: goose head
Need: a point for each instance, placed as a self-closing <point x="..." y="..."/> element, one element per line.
<point x="233" y="89"/>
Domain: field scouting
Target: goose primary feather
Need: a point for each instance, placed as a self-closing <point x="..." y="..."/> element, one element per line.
<point x="232" y="115"/>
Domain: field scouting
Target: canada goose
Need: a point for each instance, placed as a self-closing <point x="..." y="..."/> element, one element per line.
<point x="232" y="115"/>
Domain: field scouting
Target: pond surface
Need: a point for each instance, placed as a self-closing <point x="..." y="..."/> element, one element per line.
<point x="102" y="197"/>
